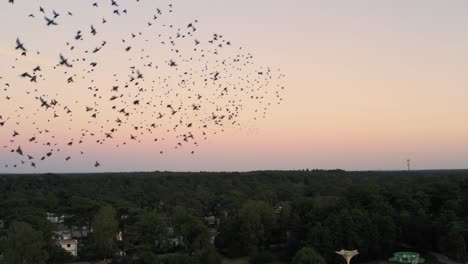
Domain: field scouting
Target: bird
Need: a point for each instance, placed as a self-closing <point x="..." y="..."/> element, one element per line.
<point x="64" y="61"/>
<point x="26" y="75"/>
<point x="202" y="86"/>
<point x="50" y="22"/>
<point x="19" y="151"/>
<point x="20" y="46"/>
<point x="172" y="63"/>
<point x="93" y="30"/>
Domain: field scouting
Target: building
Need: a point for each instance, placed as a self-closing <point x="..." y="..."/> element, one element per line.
<point x="70" y="245"/>
<point x="55" y="218"/>
<point x="80" y="231"/>
<point x="119" y="236"/>
<point x="277" y="210"/>
<point x="212" y="223"/>
<point x="211" y="220"/>
<point x="174" y="240"/>
<point x="62" y="232"/>
<point x="64" y="238"/>
<point x="213" y="234"/>
<point x="407" y="258"/>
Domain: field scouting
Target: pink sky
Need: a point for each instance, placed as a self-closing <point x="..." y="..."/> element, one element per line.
<point x="368" y="85"/>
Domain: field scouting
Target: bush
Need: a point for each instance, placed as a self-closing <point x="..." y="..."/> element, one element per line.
<point x="263" y="258"/>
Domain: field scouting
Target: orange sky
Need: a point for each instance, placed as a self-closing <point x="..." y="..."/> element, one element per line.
<point x="368" y="85"/>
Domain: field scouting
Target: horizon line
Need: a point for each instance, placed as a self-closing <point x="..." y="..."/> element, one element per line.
<point x="228" y="171"/>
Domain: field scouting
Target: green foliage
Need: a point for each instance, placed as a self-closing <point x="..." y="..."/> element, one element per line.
<point x="192" y="230"/>
<point x="308" y="256"/>
<point x="147" y="257"/>
<point x="58" y="255"/>
<point x="179" y="259"/>
<point x="149" y="232"/>
<point x="263" y="258"/>
<point x="327" y="210"/>
<point x="210" y="256"/>
<point x="453" y="241"/>
<point x="256" y="223"/>
<point x="83" y="210"/>
<point x="105" y="228"/>
<point x="24" y="245"/>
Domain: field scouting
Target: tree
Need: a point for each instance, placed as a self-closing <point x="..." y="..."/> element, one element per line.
<point x="149" y="232"/>
<point x="308" y="256"/>
<point x="193" y="231"/>
<point x="147" y="257"/>
<point x="24" y="245"/>
<point x="455" y="240"/>
<point x="195" y="234"/>
<point x="58" y="255"/>
<point x="263" y="258"/>
<point x="82" y="210"/>
<point x="179" y="259"/>
<point x="256" y="222"/>
<point x="105" y="228"/>
<point x="228" y="238"/>
<point x="210" y="256"/>
<point x="285" y="217"/>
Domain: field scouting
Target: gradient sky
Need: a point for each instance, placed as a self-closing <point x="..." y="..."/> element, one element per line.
<point x="368" y="85"/>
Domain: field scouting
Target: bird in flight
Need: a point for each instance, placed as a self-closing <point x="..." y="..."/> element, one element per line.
<point x="198" y="86"/>
<point x="64" y="61"/>
<point x="93" y="30"/>
<point x="20" y="46"/>
<point x="50" y="22"/>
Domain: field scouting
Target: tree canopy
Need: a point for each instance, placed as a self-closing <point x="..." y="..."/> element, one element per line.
<point x="252" y="214"/>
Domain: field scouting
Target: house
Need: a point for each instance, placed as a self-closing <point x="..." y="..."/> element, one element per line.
<point x="63" y="232"/>
<point x="70" y="245"/>
<point x="55" y="218"/>
<point x="278" y="208"/>
<point x="119" y="236"/>
<point x="80" y="231"/>
<point x="212" y="223"/>
<point x="64" y="238"/>
<point x="213" y="233"/>
<point x="174" y="240"/>
<point x="211" y="220"/>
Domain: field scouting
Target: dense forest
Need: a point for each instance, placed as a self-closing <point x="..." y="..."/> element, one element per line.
<point x="270" y="216"/>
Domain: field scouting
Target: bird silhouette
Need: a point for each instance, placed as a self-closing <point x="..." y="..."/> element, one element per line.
<point x="200" y="85"/>
<point x="50" y="22"/>
<point x="64" y="61"/>
<point x="20" y="46"/>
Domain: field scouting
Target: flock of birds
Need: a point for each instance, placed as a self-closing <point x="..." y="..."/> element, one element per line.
<point x="164" y="83"/>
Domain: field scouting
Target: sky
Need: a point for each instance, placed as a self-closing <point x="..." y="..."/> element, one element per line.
<point x="368" y="84"/>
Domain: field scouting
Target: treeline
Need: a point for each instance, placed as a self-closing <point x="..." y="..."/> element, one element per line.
<point x="267" y="215"/>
